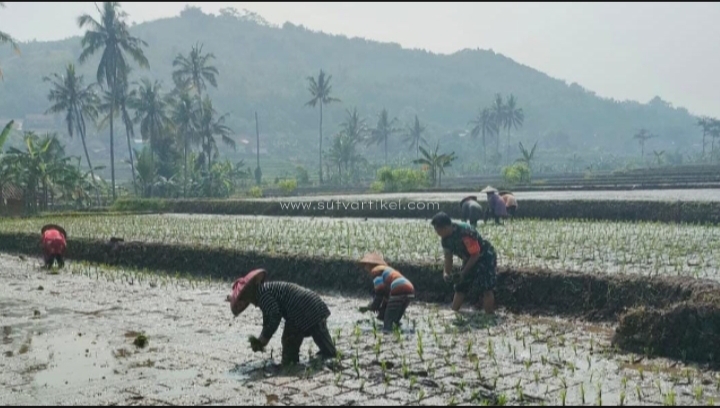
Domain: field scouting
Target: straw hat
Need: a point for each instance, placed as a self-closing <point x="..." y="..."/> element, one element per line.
<point x="489" y="189"/>
<point x="472" y="197"/>
<point x="55" y="227"/>
<point x="373" y="258"/>
<point x="239" y="288"/>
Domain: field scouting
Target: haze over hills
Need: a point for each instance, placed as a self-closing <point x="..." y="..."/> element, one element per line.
<point x="264" y="69"/>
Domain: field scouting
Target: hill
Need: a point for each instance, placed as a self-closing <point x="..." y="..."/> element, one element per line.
<point x="264" y="68"/>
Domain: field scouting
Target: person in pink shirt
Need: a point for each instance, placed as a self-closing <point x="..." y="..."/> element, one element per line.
<point x="510" y="202"/>
<point x="496" y="205"/>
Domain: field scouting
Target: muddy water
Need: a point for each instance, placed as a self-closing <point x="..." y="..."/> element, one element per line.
<point x="69" y="339"/>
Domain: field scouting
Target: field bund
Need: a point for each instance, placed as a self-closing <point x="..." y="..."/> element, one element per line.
<point x="674" y="315"/>
<point x="670" y="208"/>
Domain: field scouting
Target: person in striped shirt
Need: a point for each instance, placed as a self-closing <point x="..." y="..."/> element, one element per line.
<point x="393" y="291"/>
<point x="304" y="312"/>
<point x="479" y="267"/>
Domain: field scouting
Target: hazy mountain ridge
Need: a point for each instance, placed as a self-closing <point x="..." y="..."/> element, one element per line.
<point x="264" y="68"/>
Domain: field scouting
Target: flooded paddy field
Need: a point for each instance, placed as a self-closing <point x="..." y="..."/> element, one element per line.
<point x="109" y="337"/>
<point x="650" y="249"/>
<point x="709" y="194"/>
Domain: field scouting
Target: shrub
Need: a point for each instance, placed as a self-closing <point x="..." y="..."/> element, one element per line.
<point x="399" y="180"/>
<point x="377" y="187"/>
<point x="517" y="173"/>
<point x="255" y="192"/>
<point x="288" y="186"/>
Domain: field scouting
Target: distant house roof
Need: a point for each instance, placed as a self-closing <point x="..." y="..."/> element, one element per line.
<point x="11" y="192"/>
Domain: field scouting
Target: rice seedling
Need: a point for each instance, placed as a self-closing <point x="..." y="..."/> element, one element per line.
<point x="561" y="244"/>
<point x="669" y="399"/>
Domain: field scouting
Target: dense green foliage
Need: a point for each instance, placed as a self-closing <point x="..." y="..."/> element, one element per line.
<point x="265" y="69"/>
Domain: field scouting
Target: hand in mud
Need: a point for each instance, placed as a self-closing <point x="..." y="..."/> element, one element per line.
<point x="363" y="309"/>
<point x="256" y="344"/>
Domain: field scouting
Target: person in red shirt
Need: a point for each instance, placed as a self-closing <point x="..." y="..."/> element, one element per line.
<point x="54" y="244"/>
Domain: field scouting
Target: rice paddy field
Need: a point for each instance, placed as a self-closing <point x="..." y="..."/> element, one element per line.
<point x="650" y="249"/>
<point x="137" y="342"/>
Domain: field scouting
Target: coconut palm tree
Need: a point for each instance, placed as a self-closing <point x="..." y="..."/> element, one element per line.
<point x="120" y="99"/>
<point x="208" y="126"/>
<point x="195" y="69"/>
<point x="484" y="124"/>
<point x="320" y="90"/>
<point x="643" y="136"/>
<point x="414" y="137"/>
<point x="499" y="115"/>
<point x="70" y="96"/>
<point x="183" y="116"/>
<point x="151" y="112"/>
<point x="514" y="118"/>
<point x="343" y="153"/>
<point x="110" y="35"/>
<point x="5" y="38"/>
<point x="354" y="126"/>
<point x="383" y="130"/>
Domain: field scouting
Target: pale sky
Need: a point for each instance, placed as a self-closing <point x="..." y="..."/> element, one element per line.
<point x="620" y="50"/>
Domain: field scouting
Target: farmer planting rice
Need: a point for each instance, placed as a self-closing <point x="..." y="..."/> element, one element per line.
<point x="479" y="266"/>
<point x="393" y="292"/>
<point x="304" y="312"/>
<point x="496" y="205"/>
<point x="54" y="244"/>
<point x="510" y="202"/>
<point x="471" y="210"/>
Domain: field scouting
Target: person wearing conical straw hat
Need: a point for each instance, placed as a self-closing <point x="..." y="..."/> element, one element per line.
<point x="393" y="291"/>
<point x="471" y="210"/>
<point x="496" y="205"/>
<point x="510" y="202"/>
<point x="304" y="312"/>
<point x="479" y="266"/>
<point x="54" y="244"/>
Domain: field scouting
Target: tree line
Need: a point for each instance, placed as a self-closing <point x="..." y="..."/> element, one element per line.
<point x="172" y="123"/>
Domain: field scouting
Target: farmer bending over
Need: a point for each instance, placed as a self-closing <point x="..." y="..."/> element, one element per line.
<point x="496" y="205"/>
<point x="471" y="210"/>
<point x="304" y="312"/>
<point x="393" y="291"/>
<point x="510" y="202"/>
<point x="479" y="261"/>
<point x="54" y="243"/>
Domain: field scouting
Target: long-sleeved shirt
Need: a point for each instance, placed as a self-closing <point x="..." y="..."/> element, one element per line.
<point x="389" y="282"/>
<point x="497" y="205"/>
<point x="471" y="210"/>
<point x="300" y="307"/>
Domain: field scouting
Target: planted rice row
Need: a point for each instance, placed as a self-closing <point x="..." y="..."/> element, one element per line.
<point x="611" y="247"/>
